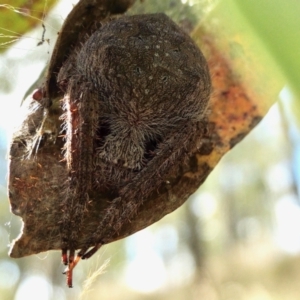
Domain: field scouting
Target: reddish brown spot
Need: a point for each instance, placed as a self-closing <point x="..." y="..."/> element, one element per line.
<point x="37" y="95"/>
<point x="64" y="257"/>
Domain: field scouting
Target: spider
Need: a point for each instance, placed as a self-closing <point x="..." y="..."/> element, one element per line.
<point x="135" y="97"/>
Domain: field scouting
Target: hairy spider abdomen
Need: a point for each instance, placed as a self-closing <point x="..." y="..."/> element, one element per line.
<point x="150" y="78"/>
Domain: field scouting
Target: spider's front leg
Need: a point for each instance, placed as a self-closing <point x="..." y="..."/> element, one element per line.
<point x="81" y="116"/>
<point x="177" y="147"/>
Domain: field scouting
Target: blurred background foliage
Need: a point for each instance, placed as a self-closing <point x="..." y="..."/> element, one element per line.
<point x="19" y="17"/>
<point x="238" y="236"/>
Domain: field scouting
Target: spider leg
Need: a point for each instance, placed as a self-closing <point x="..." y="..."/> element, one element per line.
<point x="84" y="254"/>
<point x="69" y="270"/>
<point x="81" y="119"/>
<point x="64" y="256"/>
<point x="132" y="196"/>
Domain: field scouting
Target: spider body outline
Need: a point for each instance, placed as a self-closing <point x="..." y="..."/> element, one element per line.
<point x="147" y="84"/>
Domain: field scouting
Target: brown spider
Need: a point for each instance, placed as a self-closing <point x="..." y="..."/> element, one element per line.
<point x="135" y="95"/>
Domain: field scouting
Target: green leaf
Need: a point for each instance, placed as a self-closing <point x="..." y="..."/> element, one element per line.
<point x="277" y="23"/>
